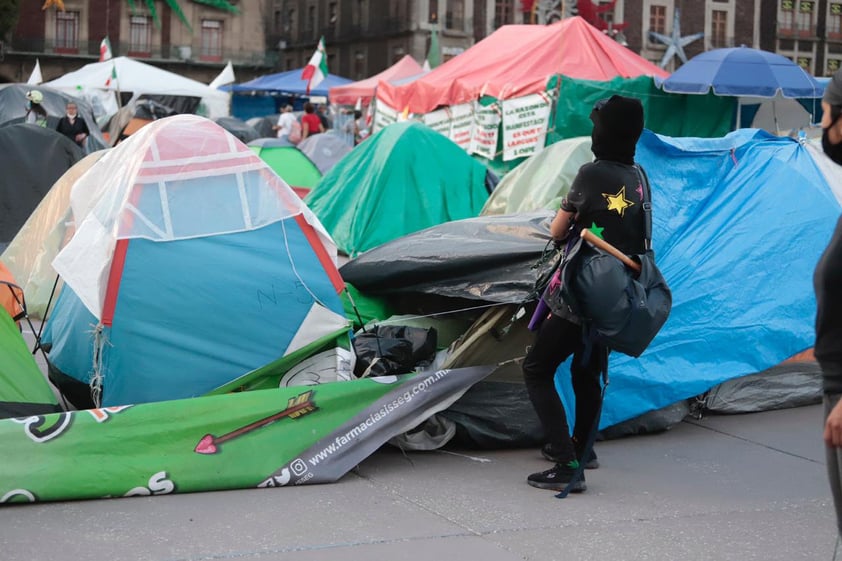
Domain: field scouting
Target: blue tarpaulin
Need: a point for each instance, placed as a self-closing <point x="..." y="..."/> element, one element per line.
<point x="739" y="224"/>
<point x="288" y="83"/>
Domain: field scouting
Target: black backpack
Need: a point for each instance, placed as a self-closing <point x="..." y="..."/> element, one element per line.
<point x="622" y="309"/>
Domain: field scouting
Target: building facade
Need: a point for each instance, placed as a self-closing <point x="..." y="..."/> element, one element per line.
<point x="364" y="37"/>
<point x="197" y="46"/>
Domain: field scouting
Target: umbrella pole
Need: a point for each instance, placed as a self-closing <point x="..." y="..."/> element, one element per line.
<point x="739" y="122"/>
<point x="775" y="117"/>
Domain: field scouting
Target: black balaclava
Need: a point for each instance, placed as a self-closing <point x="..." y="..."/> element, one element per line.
<point x="617" y="125"/>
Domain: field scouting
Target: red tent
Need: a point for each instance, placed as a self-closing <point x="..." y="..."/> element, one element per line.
<point x="364" y="89"/>
<point x="517" y="60"/>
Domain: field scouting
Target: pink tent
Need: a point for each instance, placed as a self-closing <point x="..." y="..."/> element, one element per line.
<point x="517" y="60"/>
<point x="364" y="89"/>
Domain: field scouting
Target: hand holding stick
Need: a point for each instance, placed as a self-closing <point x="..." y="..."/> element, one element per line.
<point x="592" y="239"/>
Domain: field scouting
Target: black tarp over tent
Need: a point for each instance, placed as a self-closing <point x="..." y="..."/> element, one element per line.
<point x="32" y="159"/>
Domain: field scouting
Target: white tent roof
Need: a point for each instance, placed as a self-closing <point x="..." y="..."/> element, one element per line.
<point x="140" y="78"/>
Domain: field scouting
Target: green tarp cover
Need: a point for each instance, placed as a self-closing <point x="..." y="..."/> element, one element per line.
<point x="679" y="115"/>
<point x="23" y="389"/>
<point x="541" y="180"/>
<point x="405" y="178"/>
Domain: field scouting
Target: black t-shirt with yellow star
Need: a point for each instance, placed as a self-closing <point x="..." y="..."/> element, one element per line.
<point x="607" y="198"/>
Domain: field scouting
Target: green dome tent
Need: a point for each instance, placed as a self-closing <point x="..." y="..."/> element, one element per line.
<point x="290" y="163"/>
<point x="541" y="180"/>
<point x="405" y="178"/>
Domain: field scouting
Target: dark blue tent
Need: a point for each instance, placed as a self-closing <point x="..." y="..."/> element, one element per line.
<point x="287" y="83"/>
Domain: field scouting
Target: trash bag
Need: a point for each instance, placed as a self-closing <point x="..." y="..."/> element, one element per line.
<point x="393" y="349"/>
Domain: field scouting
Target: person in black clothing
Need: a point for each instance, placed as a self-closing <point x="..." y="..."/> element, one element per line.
<point x="72" y="125"/>
<point x="606" y="197"/>
<point x="827" y="282"/>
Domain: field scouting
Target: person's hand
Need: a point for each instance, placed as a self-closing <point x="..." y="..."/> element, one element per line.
<point x="80" y="137"/>
<point x="833" y="427"/>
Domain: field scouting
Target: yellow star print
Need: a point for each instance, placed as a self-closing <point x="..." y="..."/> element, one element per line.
<point x="618" y="202"/>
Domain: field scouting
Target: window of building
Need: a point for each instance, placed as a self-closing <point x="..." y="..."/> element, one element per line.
<point x="399" y="52"/>
<point x="832" y="66"/>
<point x="504" y="13"/>
<point x="658" y="19"/>
<point x="276" y="21"/>
<point x="140" y="35"/>
<point x="455" y="14"/>
<point x="332" y="14"/>
<point x="290" y="63"/>
<point x="311" y="21"/>
<point x="834" y="20"/>
<point x="290" y="25"/>
<point x="607" y="16"/>
<point x="359" y="65"/>
<point x="433" y="16"/>
<point x="804" y="18"/>
<point x="358" y="15"/>
<point x="397" y="9"/>
<point x="67" y="31"/>
<point x="211" y="39"/>
<point x="805" y="62"/>
<point x="719" y="29"/>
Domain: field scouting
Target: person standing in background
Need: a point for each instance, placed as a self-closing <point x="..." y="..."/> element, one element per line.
<point x="72" y="125"/>
<point x="35" y="113"/>
<point x="310" y="122"/>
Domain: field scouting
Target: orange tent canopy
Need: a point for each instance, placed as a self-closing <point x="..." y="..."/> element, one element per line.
<point x="10" y="292"/>
<point x="364" y="89"/>
<point x="517" y="60"/>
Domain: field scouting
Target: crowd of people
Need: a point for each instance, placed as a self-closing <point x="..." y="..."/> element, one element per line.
<point x="317" y="119"/>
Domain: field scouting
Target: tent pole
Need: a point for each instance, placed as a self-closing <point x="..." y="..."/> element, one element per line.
<point x="775" y="117"/>
<point x="739" y="107"/>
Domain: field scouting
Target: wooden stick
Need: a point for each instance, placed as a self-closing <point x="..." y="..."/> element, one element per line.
<point x="596" y="241"/>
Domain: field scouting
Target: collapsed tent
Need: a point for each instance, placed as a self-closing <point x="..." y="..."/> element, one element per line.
<point x="244" y="132"/>
<point x="290" y="163"/>
<point x="13" y="110"/>
<point x="32" y="159"/>
<point x="405" y="178"/>
<point x="517" y="60"/>
<point x="133" y="116"/>
<point x="717" y="236"/>
<point x="133" y="79"/>
<point x="191" y="264"/>
<point x="363" y="91"/>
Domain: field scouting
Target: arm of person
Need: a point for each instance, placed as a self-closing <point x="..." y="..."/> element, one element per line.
<point x="305" y="129"/>
<point x="834" y="129"/>
<point x="560" y="225"/>
<point x="833" y="427"/>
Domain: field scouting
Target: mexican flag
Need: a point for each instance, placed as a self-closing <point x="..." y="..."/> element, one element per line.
<point x="105" y="50"/>
<point x="316" y="69"/>
<point x="113" y="77"/>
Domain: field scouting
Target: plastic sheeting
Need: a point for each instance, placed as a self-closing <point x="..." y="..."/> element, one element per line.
<point x="541" y="180"/>
<point x="486" y="258"/>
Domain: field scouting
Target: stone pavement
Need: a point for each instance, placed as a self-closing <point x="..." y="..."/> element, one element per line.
<point x="740" y="487"/>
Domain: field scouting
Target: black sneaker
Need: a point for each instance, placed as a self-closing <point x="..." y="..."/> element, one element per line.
<point x="552" y="455"/>
<point x="557" y="478"/>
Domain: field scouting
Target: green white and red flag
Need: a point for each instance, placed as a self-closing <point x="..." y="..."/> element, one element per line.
<point x="316" y="70"/>
<point x="105" y="50"/>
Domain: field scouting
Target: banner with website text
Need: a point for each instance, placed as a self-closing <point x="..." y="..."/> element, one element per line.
<point x="264" y="438"/>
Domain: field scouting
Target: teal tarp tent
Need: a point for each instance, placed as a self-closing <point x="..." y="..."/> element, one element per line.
<point x="405" y="178"/>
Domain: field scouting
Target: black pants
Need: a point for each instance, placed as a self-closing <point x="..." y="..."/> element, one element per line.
<point x="557" y="339"/>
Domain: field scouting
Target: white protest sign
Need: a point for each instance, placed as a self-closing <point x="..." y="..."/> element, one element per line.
<point x="439" y="121"/>
<point x="486" y="126"/>
<point x="525" y="121"/>
<point x="383" y="116"/>
<point x="462" y="127"/>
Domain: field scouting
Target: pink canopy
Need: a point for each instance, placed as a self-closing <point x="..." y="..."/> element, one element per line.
<point x="517" y="60"/>
<point x="364" y="89"/>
